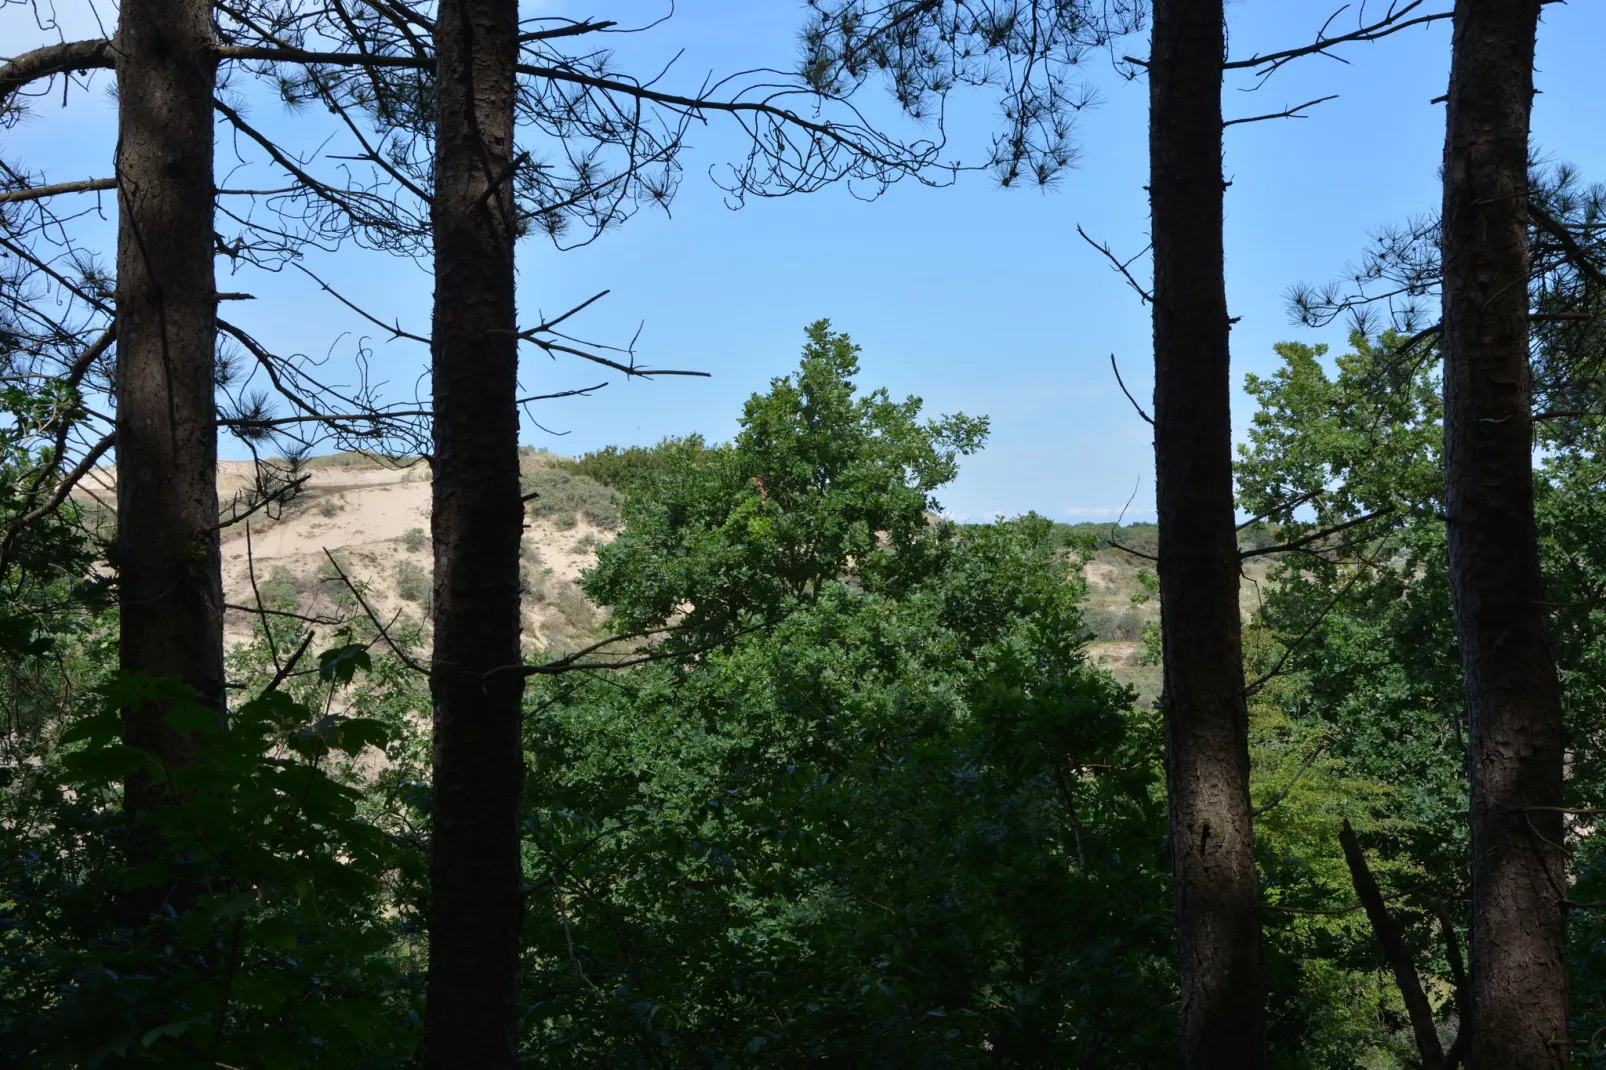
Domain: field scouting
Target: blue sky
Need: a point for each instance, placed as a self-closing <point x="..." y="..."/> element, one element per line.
<point x="978" y="300"/>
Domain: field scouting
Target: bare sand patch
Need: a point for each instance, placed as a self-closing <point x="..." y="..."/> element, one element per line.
<point x="363" y="514"/>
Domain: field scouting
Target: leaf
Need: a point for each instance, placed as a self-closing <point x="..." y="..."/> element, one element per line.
<point x="355" y="733"/>
<point x="98" y="729"/>
<point x="192" y="717"/>
<point x="105" y="765"/>
<point x="171" y="1029"/>
<point x="148" y="876"/>
<point x="235" y="905"/>
<point x="19" y="635"/>
<point x="342" y="662"/>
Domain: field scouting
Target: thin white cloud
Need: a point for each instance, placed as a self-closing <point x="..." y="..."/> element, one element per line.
<point x="1093" y="512"/>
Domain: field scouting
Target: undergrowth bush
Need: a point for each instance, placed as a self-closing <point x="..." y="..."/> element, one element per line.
<point x="563" y="497"/>
<point x="628" y="469"/>
<point x="281" y="590"/>
<point x="1117" y="623"/>
<point x="413" y="584"/>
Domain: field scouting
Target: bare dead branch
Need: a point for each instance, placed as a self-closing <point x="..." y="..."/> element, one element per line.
<point x="1286" y="113"/>
<point x="279" y="494"/>
<point x="1289" y="648"/>
<point x="1120" y="265"/>
<point x="632" y="369"/>
<point x="575" y="662"/>
<point x="63" y="489"/>
<point x="1292" y="503"/>
<point x="394" y="329"/>
<point x="1129" y="550"/>
<point x="36" y="193"/>
<point x="1391" y="23"/>
<point x="384" y="631"/>
<point x="1122" y="383"/>
<point x="547" y="326"/>
<point x="326" y="621"/>
<point x="571" y="30"/>
<point x="289" y="665"/>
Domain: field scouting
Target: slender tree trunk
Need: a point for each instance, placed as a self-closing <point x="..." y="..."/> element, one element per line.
<point x="476" y="902"/>
<point x="167" y="508"/>
<point x="1207" y="750"/>
<point x="1391" y="938"/>
<point x="1519" y="930"/>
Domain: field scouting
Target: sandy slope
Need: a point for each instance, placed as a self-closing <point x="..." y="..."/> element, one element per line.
<point x="362" y="515"/>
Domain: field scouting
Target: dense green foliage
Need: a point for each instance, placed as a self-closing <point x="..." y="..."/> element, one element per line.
<point x="1357" y="645"/>
<point x="896" y="821"/>
<point x="276" y="877"/>
<point x="871" y="802"/>
<point x="627" y="469"/>
<point x="555" y="491"/>
<point x="819" y="486"/>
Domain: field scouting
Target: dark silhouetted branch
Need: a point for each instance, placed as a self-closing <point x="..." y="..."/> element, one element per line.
<point x="63" y="489"/>
<point x="384" y="632"/>
<point x="1122" y="384"/>
<point x="1120" y="265"/>
<point x="50" y="61"/>
<point x="1292" y="503"/>
<point x="1576" y="254"/>
<point x="1392" y="23"/>
<point x="1282" y="793"/>
<point x="1392" y="940"/>
<point x="1315" y="536"/>
<point x="1287" y="113"/>
<point x="576" y="662"/>
<point x="35" y="193"/>
<point x="278" y="494"/>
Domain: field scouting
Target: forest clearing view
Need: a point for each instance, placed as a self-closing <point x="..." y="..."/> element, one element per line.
<point x="802" y="708"/>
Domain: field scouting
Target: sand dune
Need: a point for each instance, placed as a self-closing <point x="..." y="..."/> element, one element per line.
<point x="363" y="514"/>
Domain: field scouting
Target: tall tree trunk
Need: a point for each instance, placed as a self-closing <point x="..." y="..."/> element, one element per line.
<point x="167" y="509"/>
<point x="1207" y="750"/>
<point x="476" y="902"/>
<point x="1519" y="949"/>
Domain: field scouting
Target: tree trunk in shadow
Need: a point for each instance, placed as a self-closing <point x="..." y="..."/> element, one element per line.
<point x="1519" y="931"/>
<point x="1207" y="751"/>
<point x="1391" y="938"/>
<point x="476" y="903"/>
<point x="168" y="565"/>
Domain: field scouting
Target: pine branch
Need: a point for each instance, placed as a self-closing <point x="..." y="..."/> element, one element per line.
<point x="52" y="60"/>
<point x="1576" y="254"/>
<point x="36" y="193"/>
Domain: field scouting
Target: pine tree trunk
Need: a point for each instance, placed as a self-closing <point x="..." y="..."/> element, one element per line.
<point x="171" y="622"/>
<point x="1519" y="946"/>
<point x="1207" y="755"/>
<point x="476" y="903"/>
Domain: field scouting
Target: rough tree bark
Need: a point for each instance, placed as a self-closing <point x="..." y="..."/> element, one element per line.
<point x="1207" y="750"/>
<point x="1519" y="950"/>
<point x="167" y="507"/>
<point x="476" y="903"/>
